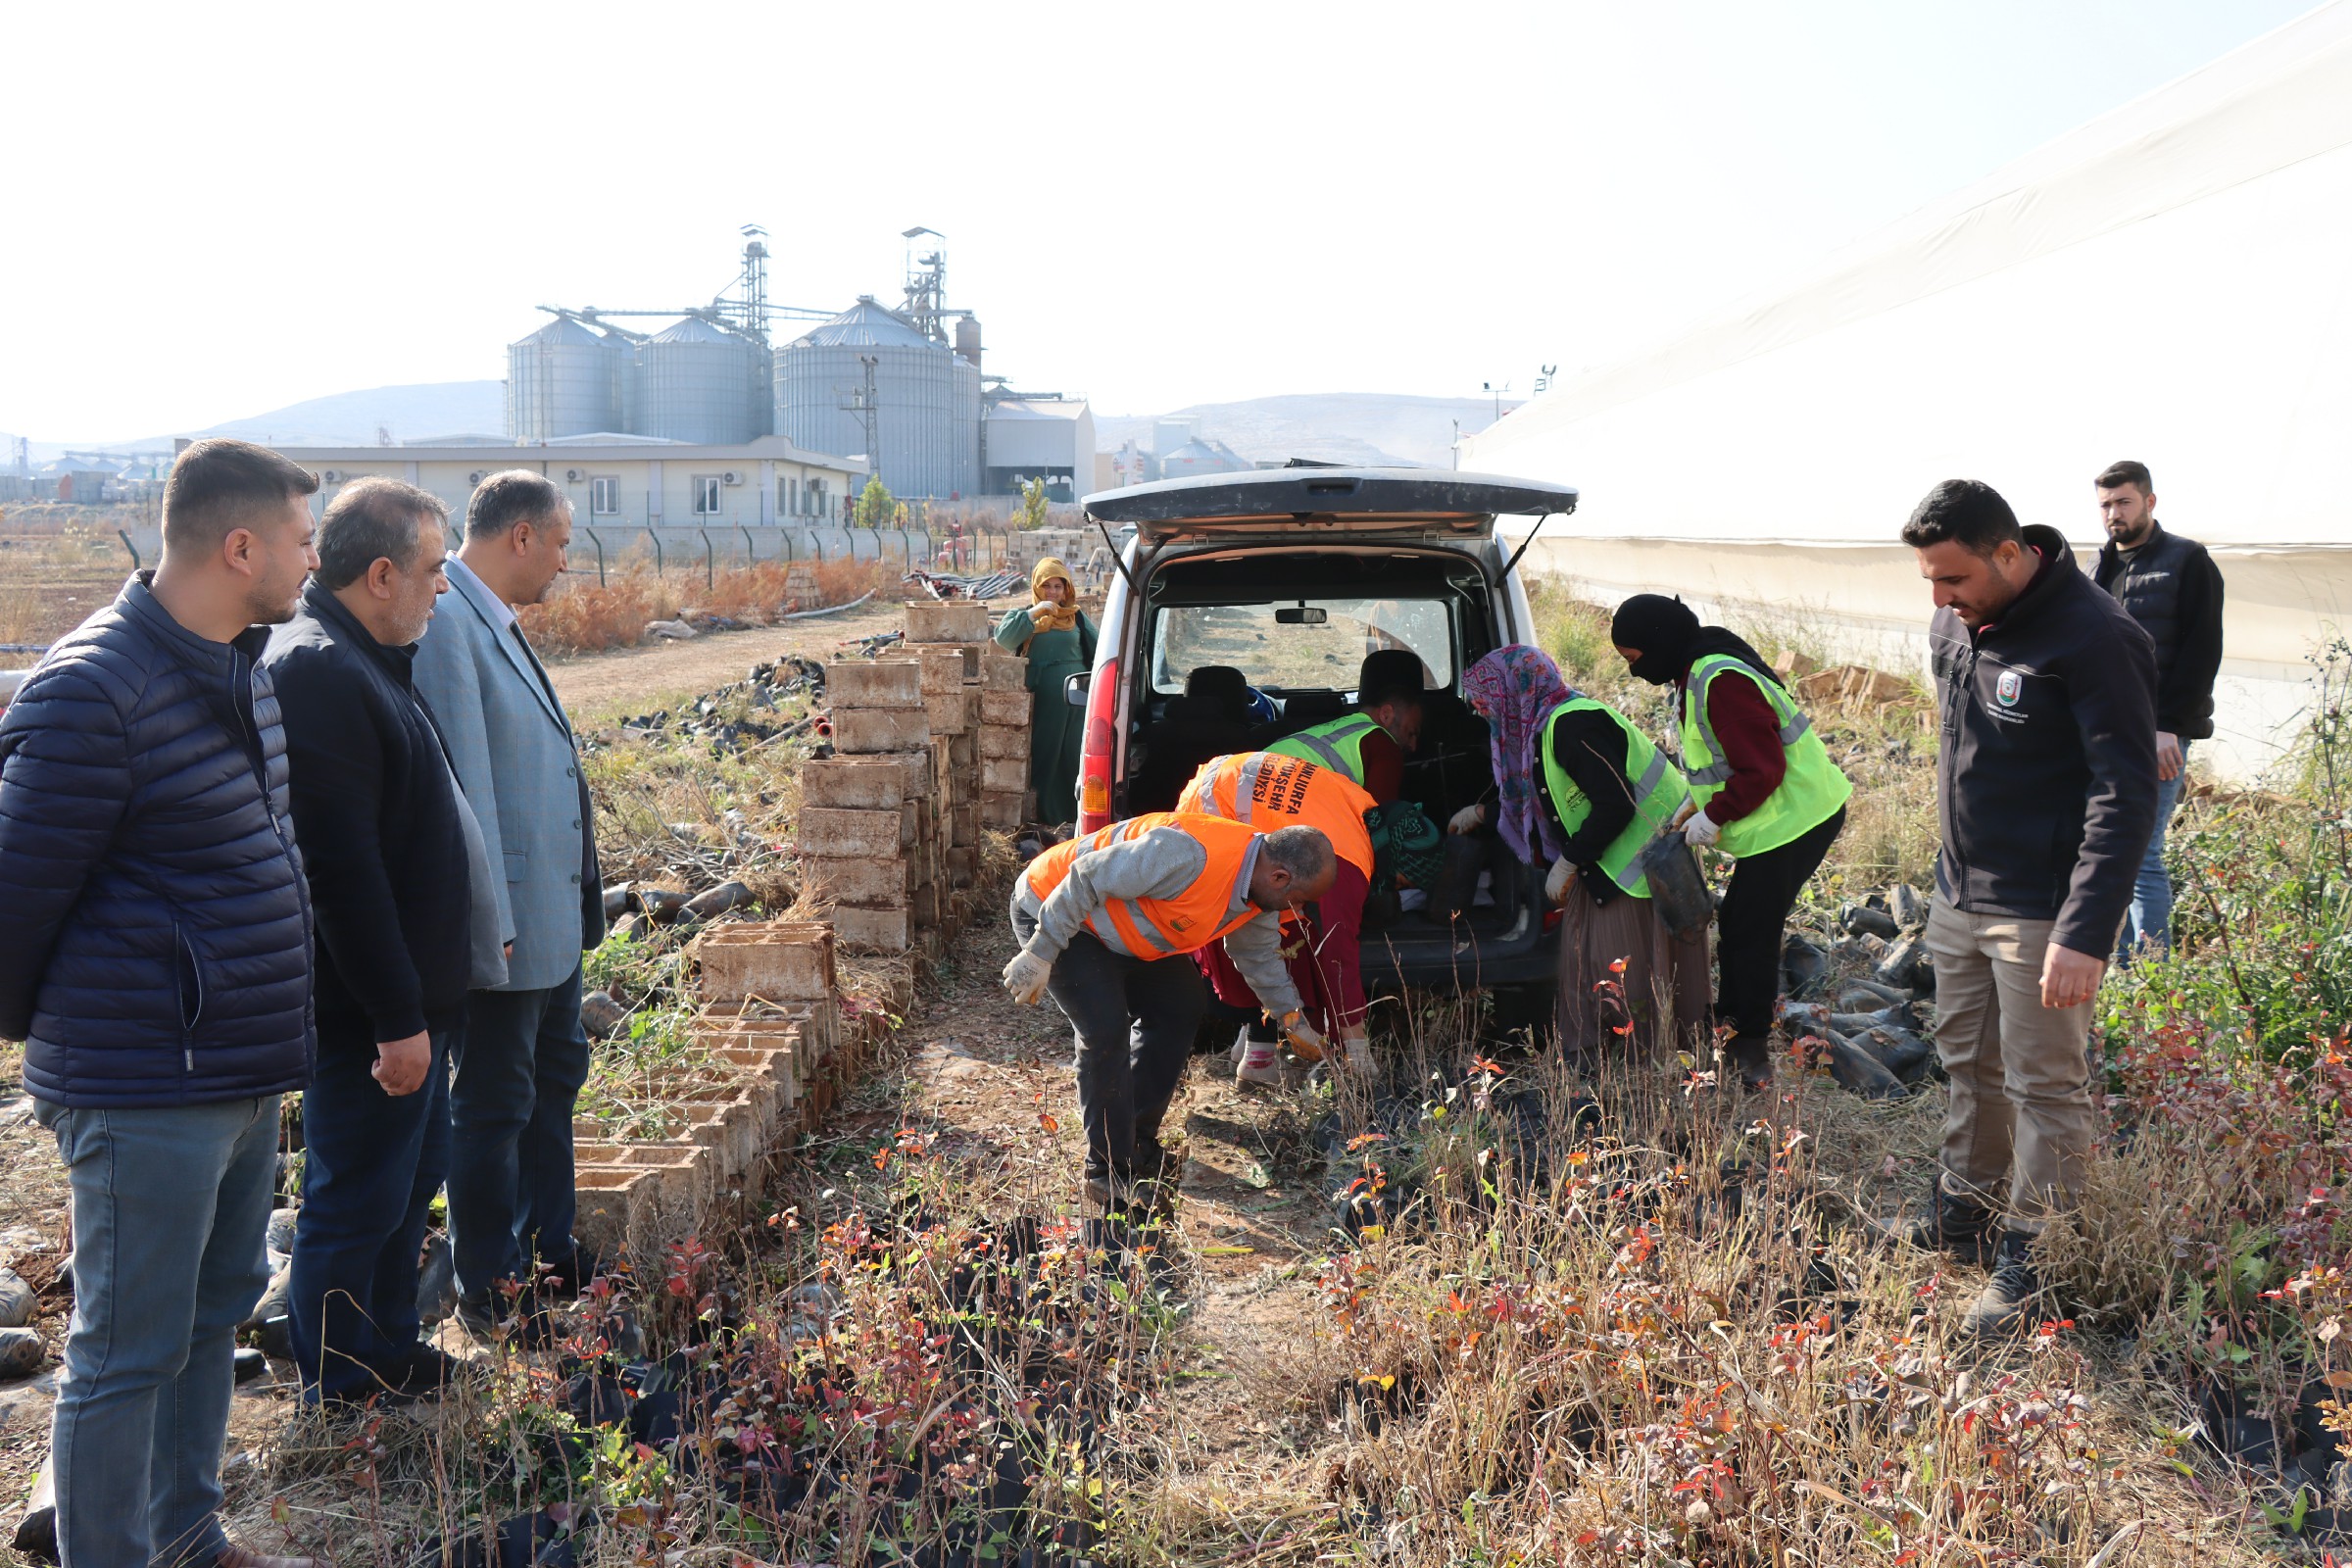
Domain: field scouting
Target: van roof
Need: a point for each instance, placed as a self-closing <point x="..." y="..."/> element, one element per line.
<point x="1390" y="494"/>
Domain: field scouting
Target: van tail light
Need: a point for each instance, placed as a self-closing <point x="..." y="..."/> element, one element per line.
<point x="1095" y="754"/>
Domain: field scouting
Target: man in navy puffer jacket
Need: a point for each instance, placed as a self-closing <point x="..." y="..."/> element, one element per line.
<point x="155" y="957"/>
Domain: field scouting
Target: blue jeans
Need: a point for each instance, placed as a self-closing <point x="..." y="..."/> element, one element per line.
<point x="371" y="1163"/>
<point x="170" y="1206"/>
<point x="2149" y="921"/>
<point x="520" y="1063"/>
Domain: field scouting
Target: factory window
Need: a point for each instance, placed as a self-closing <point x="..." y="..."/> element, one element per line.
<point x="818" y="506"/>
<point x="604" y="497"/>
<point x="707" y="489"/>
<point x="787" y="503"/>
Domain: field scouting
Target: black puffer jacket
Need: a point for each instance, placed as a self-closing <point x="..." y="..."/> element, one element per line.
<point x="155" y="933"/>
<point x="2174" y="590"/>
<point x="2046" y="775"/>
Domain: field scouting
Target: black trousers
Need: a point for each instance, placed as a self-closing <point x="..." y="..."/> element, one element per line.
<point x="1135" y="1023"/>
<point x="1750" y="929"/>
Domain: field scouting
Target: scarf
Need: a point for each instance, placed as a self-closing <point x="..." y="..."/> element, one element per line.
<point x="1054" y="617"/>
<point x="1672" y="640"/>
<point x="1514" y="690"/>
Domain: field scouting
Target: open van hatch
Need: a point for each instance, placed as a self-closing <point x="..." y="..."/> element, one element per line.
<point x="1283" y="502"/>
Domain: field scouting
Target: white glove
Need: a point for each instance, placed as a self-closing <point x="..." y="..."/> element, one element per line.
<point x="1466" y="819"/>
<point x="1358" y="1051"/>
<point x="1302" y="1035"/>
<point x="1701" y="830"/>
<point x="1025" y="978"/>
<point x="1555" y="885"/>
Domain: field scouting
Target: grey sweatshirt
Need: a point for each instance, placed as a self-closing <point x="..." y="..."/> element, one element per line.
<point x="1160" y="864"/>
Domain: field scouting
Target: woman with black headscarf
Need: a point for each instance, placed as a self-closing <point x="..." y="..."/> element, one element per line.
<point x="1765" y="791"/>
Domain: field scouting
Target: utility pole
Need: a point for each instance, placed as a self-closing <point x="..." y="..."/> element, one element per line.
<point x="866" y="402"/>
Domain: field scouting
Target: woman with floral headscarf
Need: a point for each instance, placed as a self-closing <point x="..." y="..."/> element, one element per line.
<point x="1580" y="787"/>
<point x="1059" y="642"/>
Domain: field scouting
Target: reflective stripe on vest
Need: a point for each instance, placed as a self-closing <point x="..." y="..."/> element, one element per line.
<point x="1658" y="792"/>
<point x="1218" y="902"/>
<point x="1337" y="744"/>
<point x="1810" y="791"/>
<point x="1270" y="789"/>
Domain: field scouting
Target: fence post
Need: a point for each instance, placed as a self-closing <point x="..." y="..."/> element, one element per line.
<point x="131" y="549"/>
<point x="750" y="553"/>
<point x="709" y="571"/>
<point x="600" y="555"/>
<point x="656" y="539"/>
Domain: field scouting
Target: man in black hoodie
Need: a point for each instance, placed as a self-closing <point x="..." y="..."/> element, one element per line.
<point x="388" y="845"/>
<point x="2174" y="590"/>
<point x="2046" y="783"/>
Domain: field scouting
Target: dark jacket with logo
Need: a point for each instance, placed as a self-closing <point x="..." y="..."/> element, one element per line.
<point x="2046" y="775"/>
<point x="2174" y="590"/>
<point x="377" y="813"/>
<point x="155" y="931"/>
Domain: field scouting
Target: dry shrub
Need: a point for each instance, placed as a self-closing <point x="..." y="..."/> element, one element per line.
<point x="590" y="617"/>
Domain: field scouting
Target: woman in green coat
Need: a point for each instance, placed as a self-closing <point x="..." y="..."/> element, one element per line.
<point x="1058" y="641"/>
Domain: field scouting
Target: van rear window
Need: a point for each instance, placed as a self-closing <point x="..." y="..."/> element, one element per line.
<point x="1275" y="646"/>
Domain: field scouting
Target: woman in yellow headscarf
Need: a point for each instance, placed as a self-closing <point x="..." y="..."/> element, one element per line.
<point x="1059" y="642"/>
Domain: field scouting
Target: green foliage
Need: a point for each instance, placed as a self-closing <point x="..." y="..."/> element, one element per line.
<point x="1033" y="504"/>
<point x="876" y="506"/>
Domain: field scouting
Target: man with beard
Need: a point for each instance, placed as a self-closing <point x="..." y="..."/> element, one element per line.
<point x="155" y="958"/>
<point x="2174" y="590"/>
<point x="524" y="1055"/>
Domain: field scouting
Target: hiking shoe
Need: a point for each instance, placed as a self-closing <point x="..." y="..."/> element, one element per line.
<point x="428" y="1372"/>
<point x="2010" y="1295"/>
<point x="1110" y="1194"/>
<point x="1960" y="1226"/>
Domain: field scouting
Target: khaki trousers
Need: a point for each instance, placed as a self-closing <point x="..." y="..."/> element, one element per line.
<point x="2021" y="1114"/>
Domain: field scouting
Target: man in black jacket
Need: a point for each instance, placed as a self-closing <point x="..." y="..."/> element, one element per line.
<point x="2174" y="590"/>
<point x="2046" y="783"/>
<point x="385" y="836"/>
<point x="155" y="958"/>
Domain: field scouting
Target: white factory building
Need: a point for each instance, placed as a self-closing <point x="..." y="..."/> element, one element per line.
<point x="1033" y="437"/>
<point x="623" y="481"/>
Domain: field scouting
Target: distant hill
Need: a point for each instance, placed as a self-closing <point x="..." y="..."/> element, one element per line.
<point x="1368" y="430"/>
<point x="344" y="419"/>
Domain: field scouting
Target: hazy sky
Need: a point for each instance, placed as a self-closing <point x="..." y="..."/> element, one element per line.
<point x="228" y="209"/>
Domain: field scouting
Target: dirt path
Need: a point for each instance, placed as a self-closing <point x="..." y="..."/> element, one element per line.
<point x="592" y="684"/>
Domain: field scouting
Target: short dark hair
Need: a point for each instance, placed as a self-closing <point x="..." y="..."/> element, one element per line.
<point x="1968" y="511"/>
<point x="2116" y="476"/>
<point x="215" y="486"/>
<point x="1391" y="675"/>
<point x="507" y="498"/>
<point x="373" y="520"/>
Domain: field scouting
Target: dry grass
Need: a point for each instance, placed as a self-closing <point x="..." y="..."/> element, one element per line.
<point x="590" y="617"/>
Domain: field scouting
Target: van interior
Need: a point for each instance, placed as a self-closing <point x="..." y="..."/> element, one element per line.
<point x="1245" y="647"/>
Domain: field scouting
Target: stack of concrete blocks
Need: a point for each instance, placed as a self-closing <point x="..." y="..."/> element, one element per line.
<point x="959" y="656"/>
<point x="869" y="816"/>
<point x="769" y="1020"/>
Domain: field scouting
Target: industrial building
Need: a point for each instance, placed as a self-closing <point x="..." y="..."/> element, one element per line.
<point x="616" y="481"/>
<point x="899" y="389"/>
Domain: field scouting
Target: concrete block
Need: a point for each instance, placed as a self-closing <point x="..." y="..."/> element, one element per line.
<point x="775" y="1064"/>
<point x="963" y="867"/>
<point x="963" y="757"/>
<point x="872" y="930"/>
<point x="1013" y="707"/>
<point x="874" y="881"/>
<point x="998" y="742"/>
<point x="875" y="683"/>
<point x="945" y="668"/>
<point x="777" y="961"/>
<point x="1000" y="671"/>
<point x="963" y="826"/>
<point x="1001" y="809"/>
<point x="830" y="833"/>
<point x="996" y="774"/>
<point x="948" y="620"/>
<point x="867" y="731"/>
<point x="923" y="907"/>
<point x="949" y="713"/>
<point x="881" y="783"/>
<point x="817" y="1022"/>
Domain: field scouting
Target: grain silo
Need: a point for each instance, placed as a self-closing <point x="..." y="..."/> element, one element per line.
<point x="565" y="380"/>
<point x="925" y="413"/>
<point x="695" y="383"/>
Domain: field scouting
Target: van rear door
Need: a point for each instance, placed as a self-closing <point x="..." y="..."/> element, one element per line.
<point x="1345" y="503"/>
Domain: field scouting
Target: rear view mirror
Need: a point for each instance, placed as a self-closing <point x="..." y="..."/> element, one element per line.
<point x="1302" y="615"/>
<point x="1074" y="688"/>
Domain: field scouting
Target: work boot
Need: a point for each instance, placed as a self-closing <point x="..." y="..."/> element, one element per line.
<point x="1259" y="1060"/>
<point x="1960" y="1226"/>
<point x="1109" y="1193"/>
<point x="1750" y="1060"/>
<point x="2010" y="1295"/>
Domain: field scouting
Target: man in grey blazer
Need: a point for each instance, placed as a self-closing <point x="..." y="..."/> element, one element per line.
<point x="524" y="1055"/>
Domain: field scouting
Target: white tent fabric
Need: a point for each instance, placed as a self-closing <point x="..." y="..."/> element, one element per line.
<point x="2170" y="282"/>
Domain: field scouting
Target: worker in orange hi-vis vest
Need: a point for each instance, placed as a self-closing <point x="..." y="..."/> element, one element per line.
<point x="1268" y="790"/>
<point x="1097" y="919"/>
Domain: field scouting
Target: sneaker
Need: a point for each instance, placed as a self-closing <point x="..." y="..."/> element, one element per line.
<point x="1960" y="1226"/>
<point x="2011" y="1293"/>
<point x="1260" y="1063"/>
